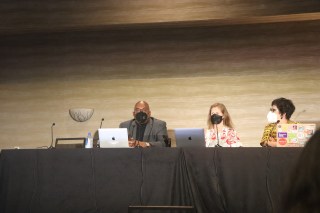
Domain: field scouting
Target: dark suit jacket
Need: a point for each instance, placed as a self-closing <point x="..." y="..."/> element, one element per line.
<point x="155" y="132"/>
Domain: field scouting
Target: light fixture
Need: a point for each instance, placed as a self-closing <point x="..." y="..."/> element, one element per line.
<point x="81" y="114"/>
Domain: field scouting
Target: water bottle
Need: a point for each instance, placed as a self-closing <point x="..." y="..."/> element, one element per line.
<point x="89" y="141"/>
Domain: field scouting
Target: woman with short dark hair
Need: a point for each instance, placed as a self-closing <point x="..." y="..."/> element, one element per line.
<point x="280" y="113"/>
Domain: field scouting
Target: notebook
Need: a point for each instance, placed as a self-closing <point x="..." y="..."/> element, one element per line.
<point x="294" y="135"/>
<point x="113" y="138"/>
<point x="189" y="137"/>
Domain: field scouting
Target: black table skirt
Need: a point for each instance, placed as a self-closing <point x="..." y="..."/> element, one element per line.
<point x="109" y="180"/>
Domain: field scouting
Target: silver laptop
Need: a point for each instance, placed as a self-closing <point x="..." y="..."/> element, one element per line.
<point x="294" y="135"/>
<point x="113" y="138"/>
<point x="190" y="137"/>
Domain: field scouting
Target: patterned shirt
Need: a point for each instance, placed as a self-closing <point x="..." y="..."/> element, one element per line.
<point x="227" y="138"/>
<point x="270" y="131"/>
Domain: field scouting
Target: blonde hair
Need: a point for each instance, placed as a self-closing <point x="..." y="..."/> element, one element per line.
<point x="226" y="116"/>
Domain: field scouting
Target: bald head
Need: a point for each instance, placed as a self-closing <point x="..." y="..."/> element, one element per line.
<point x="142" y="105"/>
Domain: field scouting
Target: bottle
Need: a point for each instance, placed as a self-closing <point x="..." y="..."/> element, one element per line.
<point x="89" y="141"/>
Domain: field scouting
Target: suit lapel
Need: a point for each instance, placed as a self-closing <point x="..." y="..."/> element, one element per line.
<point x="147" y="132"/>
<point x="133" y="129"/>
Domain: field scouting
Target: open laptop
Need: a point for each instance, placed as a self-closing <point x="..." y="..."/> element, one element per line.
<point x="190" y="137"/>
<point x="113" y="138"/>
<point x="294" y="135"/>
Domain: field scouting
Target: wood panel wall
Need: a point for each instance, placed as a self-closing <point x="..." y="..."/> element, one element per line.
<point x="180" y="56"/>
<point x="180" y="72"/>
<point x="57" y="15"/>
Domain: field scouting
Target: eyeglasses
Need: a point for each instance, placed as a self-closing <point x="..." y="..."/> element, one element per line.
<point x="273" y="110"/>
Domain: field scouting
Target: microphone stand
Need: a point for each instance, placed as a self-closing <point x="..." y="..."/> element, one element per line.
<point x="51" y="145"/>
<point x="218" y="142"/>
<point x="96" y="138"/>
<point x="132" y="130"/>
<point x="303" y="111"/>
<point x="101" y="123"/>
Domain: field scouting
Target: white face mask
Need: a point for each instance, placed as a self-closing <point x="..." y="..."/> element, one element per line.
<point x="272" y="117"/>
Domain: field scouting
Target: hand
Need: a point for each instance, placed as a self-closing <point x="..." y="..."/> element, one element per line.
<point x="272" y="142"/>
<point x="135" y="143"/>
<point x="132" y="142"/>
<point x="144" y="144"/>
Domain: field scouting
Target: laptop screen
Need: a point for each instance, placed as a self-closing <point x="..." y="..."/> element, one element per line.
<point x="113" y="138"/>
<point x="190" y="137"/>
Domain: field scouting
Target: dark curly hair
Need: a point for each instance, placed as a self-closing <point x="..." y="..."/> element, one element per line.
<point x="285" y="106"/>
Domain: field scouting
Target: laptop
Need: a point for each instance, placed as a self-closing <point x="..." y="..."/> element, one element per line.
<point x="294" y="135"/>
<point x="113" y="138"/>
<point x="189" y="137"/>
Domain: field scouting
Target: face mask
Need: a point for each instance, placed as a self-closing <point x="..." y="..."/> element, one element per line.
<point x="272" y="117"/>
<point x="141" y="117"/>
<point x="216" y="119"/>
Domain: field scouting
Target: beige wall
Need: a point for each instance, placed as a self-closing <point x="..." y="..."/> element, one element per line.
<point x="39" y="16"/>
<point x="180" y="72"/>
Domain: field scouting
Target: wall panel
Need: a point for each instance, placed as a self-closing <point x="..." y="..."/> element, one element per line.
<point x="179" y="71"/>
<point x="39" y="16"/>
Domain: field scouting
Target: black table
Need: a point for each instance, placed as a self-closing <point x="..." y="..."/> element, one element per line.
<point x="110" y="180"/>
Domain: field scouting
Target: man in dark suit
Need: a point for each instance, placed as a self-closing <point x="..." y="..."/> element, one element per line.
<point x="144" y="130"/>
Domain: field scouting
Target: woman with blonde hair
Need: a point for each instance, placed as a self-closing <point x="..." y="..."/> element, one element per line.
<point x="220" y="130"/>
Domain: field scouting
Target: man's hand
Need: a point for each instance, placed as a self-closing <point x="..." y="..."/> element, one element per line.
<point x="136" y="143"/>
<point x="132" y="142"/>
<point x="144" y="144"/>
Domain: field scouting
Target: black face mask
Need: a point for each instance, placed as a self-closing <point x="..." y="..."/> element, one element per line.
<point x="216" y="119"/>
<point x="141" y="117"/>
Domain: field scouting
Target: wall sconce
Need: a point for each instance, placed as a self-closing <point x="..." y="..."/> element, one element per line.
<point x="81" y="114"/>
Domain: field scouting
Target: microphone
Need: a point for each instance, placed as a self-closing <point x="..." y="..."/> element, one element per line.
<point x="96" y="135"/>
<point x="51" y="145"/>
<point x="131" y="132"/>
<point x="303" y="111"/>
<point x="101" y="123"/>
<point x="218" y="143"/>
<point x="215" y="120"/>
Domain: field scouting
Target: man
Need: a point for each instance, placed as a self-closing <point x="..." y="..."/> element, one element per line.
<point x="144" y="130"/>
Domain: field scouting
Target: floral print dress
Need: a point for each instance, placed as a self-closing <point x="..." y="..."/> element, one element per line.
<point x="227" y="138"/>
